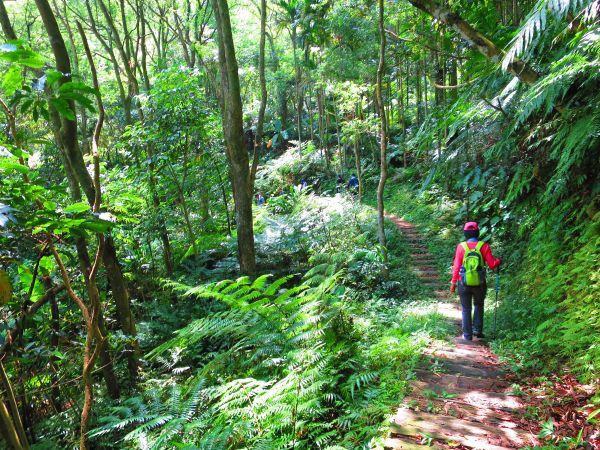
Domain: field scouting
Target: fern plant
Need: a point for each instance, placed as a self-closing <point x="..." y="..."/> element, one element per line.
<point x="544" y="13"/>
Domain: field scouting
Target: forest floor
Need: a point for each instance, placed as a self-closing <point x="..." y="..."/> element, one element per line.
<point x="462" y="396"/>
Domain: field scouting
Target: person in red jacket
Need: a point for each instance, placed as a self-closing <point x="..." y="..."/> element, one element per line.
<point x="472" y="297"/>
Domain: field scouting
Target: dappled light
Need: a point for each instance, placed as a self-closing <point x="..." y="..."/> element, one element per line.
<point x="299" y="225"/>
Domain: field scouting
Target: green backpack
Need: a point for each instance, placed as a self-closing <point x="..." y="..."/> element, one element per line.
<point x="472" y="272"/>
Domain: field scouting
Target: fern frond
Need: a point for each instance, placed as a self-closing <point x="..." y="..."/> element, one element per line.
<point x="537" y="21"/>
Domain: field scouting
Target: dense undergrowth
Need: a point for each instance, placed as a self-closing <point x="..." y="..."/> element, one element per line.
<point x="317" y="360"/>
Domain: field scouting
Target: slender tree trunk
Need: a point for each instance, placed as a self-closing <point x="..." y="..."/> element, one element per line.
<point x="425" y="86"/>
<point x="144" y="48"/>
<point x="54" y="340"/>
<point x="258" y="137"/>
<point x="7" y="28"/>
<point x="383" y="139"/>
<point x="14" y="409"/>
<point x="109" y="255"/>
<point x="309" y="109"/>
<point x="8" y="430"/>
<point x="162" y="228"/>
<point x="357" y="165"/>
<point x="233" y="132"/>
<point x="453" y="80"/>
<point x="293" y="34"/>
<point x="419" y="93"/>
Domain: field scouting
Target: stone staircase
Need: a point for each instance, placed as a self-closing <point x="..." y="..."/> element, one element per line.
<point x="461" y="398"/>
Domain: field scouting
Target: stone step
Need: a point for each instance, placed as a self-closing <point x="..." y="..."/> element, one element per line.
<point x="421" y="258"/>
<point x="406" y="444"/>
<point x="475" y="397"/>
<point x="462" y="366"/>
<point x="458" y="431"/>
<point x="433" y="276"/>
<point x="472" y="356"/>
<point x="426" y="269"/>
<point x="450" y="407"/>
<point x="451" y="382"/>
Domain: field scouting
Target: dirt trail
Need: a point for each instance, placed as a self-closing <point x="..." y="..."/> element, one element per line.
<point x="461" y="398"/>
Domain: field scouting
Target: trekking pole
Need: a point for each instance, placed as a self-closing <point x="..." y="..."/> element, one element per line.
<point x="496" y="302"/>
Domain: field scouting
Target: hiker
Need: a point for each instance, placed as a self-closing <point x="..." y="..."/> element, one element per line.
<point x="303" y="184"/>
<point x="339" y="184"/>
<point x="353" y="183"/>
<point x="260" y="200"/>
<point x="469" y="273"/>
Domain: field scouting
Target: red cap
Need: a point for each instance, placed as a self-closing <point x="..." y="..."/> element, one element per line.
<point x="471" y="226"/>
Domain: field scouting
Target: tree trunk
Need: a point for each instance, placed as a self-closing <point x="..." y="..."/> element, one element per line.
<point x="383" y="140"/>
<point x="8" y="430"/>
<point x="258" y="137"/>
<point x="233" y="132"/>
<point x="293" y="34"/>
<point x="7" y="28"/>
<point x="419" y="92"/>
<point x="54" y="340"/>
<point x="14" y="409"/>
<point x="109" y="255"/>
<point x="357" y="165"/>
<point x="475" y="39"/>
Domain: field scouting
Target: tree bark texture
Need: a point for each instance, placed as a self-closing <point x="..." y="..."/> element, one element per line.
<point x="258" y="138"/>
<point x="383" y="138"/>
<point x="233" y="132"/>
<point x="7" y="28"/>
<point x="67" y="136"/>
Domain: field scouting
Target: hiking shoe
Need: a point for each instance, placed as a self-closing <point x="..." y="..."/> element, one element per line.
<point x="479" y="335"/>
<point x="467" y="338"/>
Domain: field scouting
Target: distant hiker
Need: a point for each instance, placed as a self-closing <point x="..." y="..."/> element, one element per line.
<point x="303" y="184"/>
<point x="353" y="183"/>
<point x="260" y="200"/>
<point x="339" y="184"/>
<point x="469" y="272"/>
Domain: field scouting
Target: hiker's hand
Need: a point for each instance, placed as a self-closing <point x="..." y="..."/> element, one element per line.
<point x="453" y="288"/>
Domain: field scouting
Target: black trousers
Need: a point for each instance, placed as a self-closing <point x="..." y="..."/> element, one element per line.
<point x="471" y="300"/>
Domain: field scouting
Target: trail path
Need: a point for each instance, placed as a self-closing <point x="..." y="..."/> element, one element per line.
<point x="461" y="398"/>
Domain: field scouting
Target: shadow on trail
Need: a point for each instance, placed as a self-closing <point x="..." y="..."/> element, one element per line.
<point x="461" y="397"/>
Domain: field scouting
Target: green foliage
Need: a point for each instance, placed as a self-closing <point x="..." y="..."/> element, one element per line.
<point x="281" y="362"/>
<point x="289" y="365"/>
<point x="544" y="13"/>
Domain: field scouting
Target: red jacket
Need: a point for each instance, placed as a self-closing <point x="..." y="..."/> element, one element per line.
<point x="486" y="252"/>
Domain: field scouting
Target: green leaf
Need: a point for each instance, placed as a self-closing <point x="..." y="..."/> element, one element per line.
<point x="52" y="76"/>
<point x="97" y="226"/>
<point x="15" y="52"/>
<point x="77" y="207"/>
<point x="79" y="98"/>
<point x="547" y="429"/>
<point x="62" y="107"/>
<point x="26" y="279"/>
<point x="12" y="80"/>
<point x="9" y="166"/>
<point x="75" y="86"/>
<point x="50" y="205"/>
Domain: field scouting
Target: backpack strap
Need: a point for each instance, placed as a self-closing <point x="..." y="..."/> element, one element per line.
<point x="466" y="249"/>
<point x="478" y="247"/>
